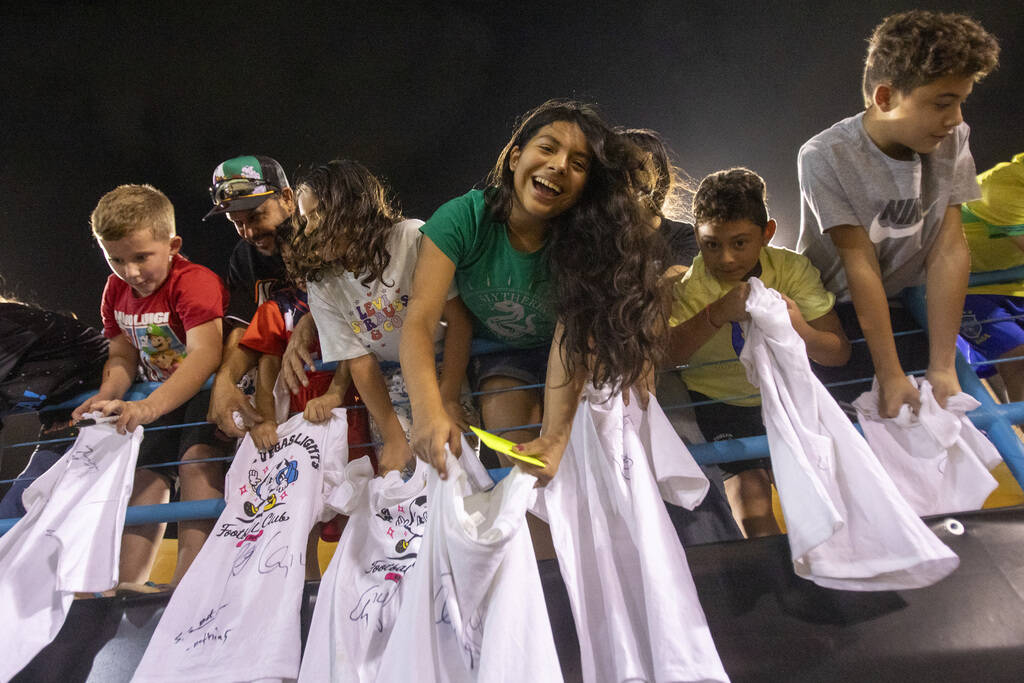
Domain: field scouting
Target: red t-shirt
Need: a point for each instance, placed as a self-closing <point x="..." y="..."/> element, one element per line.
<point x="156" y="325"/>
<point x="269" y="332"/>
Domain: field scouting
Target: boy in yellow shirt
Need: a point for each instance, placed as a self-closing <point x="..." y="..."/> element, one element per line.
<point x="733" y="231"/>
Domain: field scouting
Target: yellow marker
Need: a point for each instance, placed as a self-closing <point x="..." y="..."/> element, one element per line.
<point x="501" y="445"/>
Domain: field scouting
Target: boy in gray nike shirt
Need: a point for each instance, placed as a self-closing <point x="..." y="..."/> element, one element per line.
<point x="881" y="193"/>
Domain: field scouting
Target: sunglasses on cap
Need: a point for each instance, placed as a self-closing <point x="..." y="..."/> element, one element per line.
<point x="234" y="188"/>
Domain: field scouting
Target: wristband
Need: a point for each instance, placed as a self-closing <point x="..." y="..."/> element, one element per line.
<point x="707" y="316"/>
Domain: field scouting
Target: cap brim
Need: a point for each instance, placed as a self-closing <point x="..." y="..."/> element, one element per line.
<point x="240" y="204"/>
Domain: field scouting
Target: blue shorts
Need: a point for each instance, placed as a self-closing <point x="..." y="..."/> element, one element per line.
<point x="991" y="340"/>
<point x="529" y="366"/>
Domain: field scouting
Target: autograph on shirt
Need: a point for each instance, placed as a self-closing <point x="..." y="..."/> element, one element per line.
<point x="204" y="631"/>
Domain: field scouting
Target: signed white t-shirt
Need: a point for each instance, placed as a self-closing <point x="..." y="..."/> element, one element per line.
<point x="235" y="615"/>
<point x="473" y="608"/>
<point x="362" y="589"/>
<point x="69" y="540"/>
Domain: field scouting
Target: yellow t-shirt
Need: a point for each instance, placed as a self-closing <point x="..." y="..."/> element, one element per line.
<point x="988" y="220"/>
<point x="788" y="272"/>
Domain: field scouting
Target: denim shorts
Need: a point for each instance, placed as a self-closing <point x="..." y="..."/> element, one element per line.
<point x="528" y="366"/>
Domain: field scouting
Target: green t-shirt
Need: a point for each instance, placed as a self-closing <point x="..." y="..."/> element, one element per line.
<point x="506" y="290"/>
<point x="714" y="369"/>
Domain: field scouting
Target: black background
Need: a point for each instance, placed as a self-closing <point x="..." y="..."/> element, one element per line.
<point x="423" y="93"/>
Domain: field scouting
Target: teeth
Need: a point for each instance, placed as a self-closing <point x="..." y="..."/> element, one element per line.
<point x="548" y="184"/>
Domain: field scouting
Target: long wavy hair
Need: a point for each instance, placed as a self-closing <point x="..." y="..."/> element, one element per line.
<point x="672" y="192"/>
<point x="602" y="261"/>
<point x="350" y="226"/>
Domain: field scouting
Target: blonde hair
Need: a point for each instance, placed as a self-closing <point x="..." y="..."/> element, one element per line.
<point x="128" y="208"/>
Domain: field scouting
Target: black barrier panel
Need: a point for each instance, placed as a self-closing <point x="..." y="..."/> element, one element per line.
<point x="768" y="624"/>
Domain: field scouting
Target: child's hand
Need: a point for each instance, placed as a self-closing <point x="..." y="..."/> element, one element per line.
<point x="132" y="413"/>
<point x="458" y="415"/>
<point x="944" y="384"/>
<point x="395" y="454"/>
<point x="319" y="409"/>
<point x="796" y="318"/>
<point x="264" y="434"/>
<point x="549" y="449"/>
<point x="893" y="393"/>
<point x="89" y="405"/>
<point x="431" y="433"/>
<point x="731" y="308"/>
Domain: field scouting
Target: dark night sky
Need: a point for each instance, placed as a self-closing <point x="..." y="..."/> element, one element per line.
<point x="423" y="93"/>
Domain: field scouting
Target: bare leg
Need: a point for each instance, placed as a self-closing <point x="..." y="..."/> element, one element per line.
<point x="511" y="409"/>
<point x="139" y="544"/>
<point x="1012" y="373"/>
<point x="312" y="558"/>
<point x="750" y="497"/>
<point x="199" y="481"/>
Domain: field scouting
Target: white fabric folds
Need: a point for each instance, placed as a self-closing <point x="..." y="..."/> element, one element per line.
<point x="637" y="614"/>
<point x="235" y="614"/>
<point x="68" y="541"/>
<point x="473" y="609"/>
<point x="938" y="459"/>
<point x="362" y="590"/>
<point x="849" y="528"/>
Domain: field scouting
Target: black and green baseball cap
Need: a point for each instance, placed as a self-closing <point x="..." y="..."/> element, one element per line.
<point x="245" y="182"/>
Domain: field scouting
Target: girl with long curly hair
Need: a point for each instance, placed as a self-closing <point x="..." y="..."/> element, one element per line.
<point x="356" y="255"/>
<point x="554" y="261"/>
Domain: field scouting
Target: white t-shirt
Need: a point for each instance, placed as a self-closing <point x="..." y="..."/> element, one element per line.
<point x="355" y="319"/>
<point x="846" y="180"/>
<point x="938" y="459"/>
<point x="362" y="589"/>
<point x="637" y="614"/>
<point x="235" y="614"/>
<point x="69" y="540"/>
<point x="848" y="526"/>
<point x="473" y="609"/>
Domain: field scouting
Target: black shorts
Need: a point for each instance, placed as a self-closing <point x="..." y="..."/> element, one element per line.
<point x="721" y="422"/>
<point x="169" y="445"/>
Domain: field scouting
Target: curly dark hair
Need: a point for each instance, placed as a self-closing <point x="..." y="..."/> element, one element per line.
<point x="911" y="49"/>
<point x="351" y="223"/>
<point x="665" y="189"/>
<point x="602" y="261"/>
<point x="731" y="195"/>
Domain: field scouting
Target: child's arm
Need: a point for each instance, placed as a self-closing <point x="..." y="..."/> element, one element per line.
<point x="319" y="409"/>
<point x="226" y="399"/>
<point x="202" y="345"/>
<point x="857" y="253"/>
<point x="687" y="337"/>
<point x="948" y="267"/>
<point x="457" y="339"/>
<point x="561" y="398"/>
<point x="118" y="374"/>
<point x="432" y="426"/>
<point x="264" y="433"/>
<point x="369" y="381"/>
<point x="824" y="337"/>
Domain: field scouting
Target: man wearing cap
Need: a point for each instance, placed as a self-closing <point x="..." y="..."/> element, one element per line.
<point x="992" y="324"/>
<point x="254" y="194"/>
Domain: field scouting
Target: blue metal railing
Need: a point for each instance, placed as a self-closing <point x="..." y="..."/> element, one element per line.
<point x="995" y="419"/>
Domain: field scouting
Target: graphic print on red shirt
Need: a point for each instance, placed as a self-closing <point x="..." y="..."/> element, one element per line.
<point x="156" y="325"/>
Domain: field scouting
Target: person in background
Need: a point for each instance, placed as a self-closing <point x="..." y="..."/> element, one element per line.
<point x="992" y="325"/>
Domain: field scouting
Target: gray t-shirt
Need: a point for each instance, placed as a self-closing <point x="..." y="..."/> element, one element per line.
<point x="846" y="180"/>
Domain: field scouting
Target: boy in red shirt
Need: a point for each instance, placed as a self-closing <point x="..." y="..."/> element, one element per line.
<point x="156" y="293"/>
